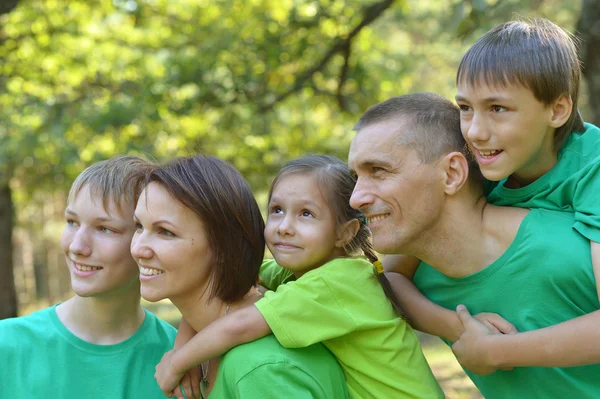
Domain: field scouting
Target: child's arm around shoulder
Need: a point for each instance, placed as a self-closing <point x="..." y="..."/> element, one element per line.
<point x="423" y="314"/>
<point x="238" y="327"/>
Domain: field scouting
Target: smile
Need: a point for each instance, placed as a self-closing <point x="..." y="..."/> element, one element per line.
<point x="149" y="271"/>
<point x="376" y="218"/>
<point x="86" y="268"/>
<point x="489" y="154"/>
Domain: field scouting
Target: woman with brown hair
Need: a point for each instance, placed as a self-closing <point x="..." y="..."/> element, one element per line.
<point x="199" y="242"/>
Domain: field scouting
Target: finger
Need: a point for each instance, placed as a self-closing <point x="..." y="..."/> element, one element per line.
<point x="491" y="327"/>
<point x="463" y="314"/>
<point x="504" y="326"/>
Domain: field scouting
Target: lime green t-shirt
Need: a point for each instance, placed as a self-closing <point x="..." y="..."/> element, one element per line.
<point x="263" y="369"/>
<point x="342" y="305"/>
<point x="533" y="285"/>
<point x="41" y="358"/>
<point x="572" y="185"/>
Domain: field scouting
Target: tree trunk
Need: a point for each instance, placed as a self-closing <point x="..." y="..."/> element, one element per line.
<point x="588" y="29"/>
<point x="8" y="294"/>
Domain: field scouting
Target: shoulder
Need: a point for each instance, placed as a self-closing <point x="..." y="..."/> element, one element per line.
<point x="585" y="145"/>
<point x="342" y="266"/>
<point x="158" y="328"/>
<point x="31" y="328"/>
<point x="251" y="358"/>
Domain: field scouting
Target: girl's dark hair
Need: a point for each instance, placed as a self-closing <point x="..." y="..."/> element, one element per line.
<point x="223" y="201"/>
<point x="336" y="182"/>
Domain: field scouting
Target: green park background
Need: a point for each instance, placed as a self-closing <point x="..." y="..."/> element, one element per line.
<point x="254" y="82"/>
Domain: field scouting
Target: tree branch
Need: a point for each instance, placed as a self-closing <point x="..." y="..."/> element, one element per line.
<point x="370" y="14"/>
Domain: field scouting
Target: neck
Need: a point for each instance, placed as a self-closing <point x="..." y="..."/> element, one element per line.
<point x="102" y="321"/>
<point x="458" y="245"/>
<point x="199" y="311"/>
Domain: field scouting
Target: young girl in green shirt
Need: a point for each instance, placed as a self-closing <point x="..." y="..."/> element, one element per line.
<point x="336" y="299"/>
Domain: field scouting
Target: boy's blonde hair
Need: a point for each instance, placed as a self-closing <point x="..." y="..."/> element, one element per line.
<point x="536" y="54"/>
<point x="111" y="180"/>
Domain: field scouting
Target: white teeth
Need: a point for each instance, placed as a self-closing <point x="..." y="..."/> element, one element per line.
<point x="85" y="268"/>
<point x="489" y="153"/>
<point x="147" y="271"/>
<point x="378" y="217"/>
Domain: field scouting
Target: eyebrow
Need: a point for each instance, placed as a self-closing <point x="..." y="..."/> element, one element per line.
<point x="99" y="219"/>
<point x="485" y="100"/>
<point x="156" y="222"/>
<point x="304" y="202"/>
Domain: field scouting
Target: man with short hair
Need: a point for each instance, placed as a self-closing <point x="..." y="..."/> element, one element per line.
<point x="423" y="196"/>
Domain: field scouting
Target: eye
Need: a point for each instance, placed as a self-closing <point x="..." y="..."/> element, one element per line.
<point x="138" y="227"/>
<point x="307" y="214"/>
<point x="71" y="223"/>
<point x="498" y="108"/>
<point x="464" y="108"/>
<point x="105" y="230"/>
<point x="165" y="232"/>
<point x="276" y="210"/>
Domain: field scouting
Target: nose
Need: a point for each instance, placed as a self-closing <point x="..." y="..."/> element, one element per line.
<point x="80" y="244"/>
<point x="286" y="226"/>
<point x="140" y="249"/>
<point x="362" y="195"/>
<point x="477" y="131"/>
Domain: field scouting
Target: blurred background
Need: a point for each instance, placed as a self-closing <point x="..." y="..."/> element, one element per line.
<point x="254" y="82"/>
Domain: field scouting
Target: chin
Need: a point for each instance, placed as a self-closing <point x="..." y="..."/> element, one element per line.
<point x="150" y="296"/>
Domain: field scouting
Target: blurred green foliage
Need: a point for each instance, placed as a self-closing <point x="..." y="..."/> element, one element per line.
<point x="255" y="82"/>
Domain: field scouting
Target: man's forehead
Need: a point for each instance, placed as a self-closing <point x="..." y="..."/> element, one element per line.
<point x="376" y="141"/>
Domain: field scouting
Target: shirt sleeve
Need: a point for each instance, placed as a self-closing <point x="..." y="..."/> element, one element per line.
<point x="272" y="275"/>
<point x="278" y="380"/>
<point x="304" y="312"/>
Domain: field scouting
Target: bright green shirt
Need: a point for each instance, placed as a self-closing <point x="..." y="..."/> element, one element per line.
<point x="41" y="358"/>
<point x="342" y="305"/>
<point x="263" y="369"/>
<point x="573" y="185"/>
<point x="544" y="278"/>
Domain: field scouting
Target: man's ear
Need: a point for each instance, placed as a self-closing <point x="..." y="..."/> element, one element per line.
<point x="347" y="232"/>
<point x="456" y="172"/>
<point x="561" y="111"/>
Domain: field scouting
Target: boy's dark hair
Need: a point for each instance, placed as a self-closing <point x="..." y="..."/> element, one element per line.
<point x="110" y="180"/>
<point x="336" y="182"/>
<point x="536" y="54"/>
<point x="222" y="199"/>
<point x="430" y="124"/>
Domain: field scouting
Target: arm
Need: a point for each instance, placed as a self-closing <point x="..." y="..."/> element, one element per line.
<point x="425" y="315"/>
<point x="571" y="343"/>
<point x="238" y="327"/>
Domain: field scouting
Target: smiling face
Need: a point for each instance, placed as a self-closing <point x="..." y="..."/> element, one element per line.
<point x="96" y="245"/>
<point x="508" y="130"/>
<point x="301" y="229"/>
<point x="170" y="246"/>
<point x="401" y="196"/>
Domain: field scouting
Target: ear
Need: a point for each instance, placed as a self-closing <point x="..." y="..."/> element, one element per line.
<point x="456" y="172"/>
<point x="561" y="111"/>
<point x="347" y="232"/>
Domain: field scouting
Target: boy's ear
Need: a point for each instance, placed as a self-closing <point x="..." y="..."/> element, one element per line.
<point x="561" y="111"/>
<point x="455" y="168"/>
<point x="347" y="232"/>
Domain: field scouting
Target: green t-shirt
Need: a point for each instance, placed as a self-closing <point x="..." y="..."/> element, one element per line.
<point x="263" y="369"/>
<point x="533" y="285"/>
<point x="342" y="305"/>
<point x="41" y="358"/>
<point x="573" y="185"/>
